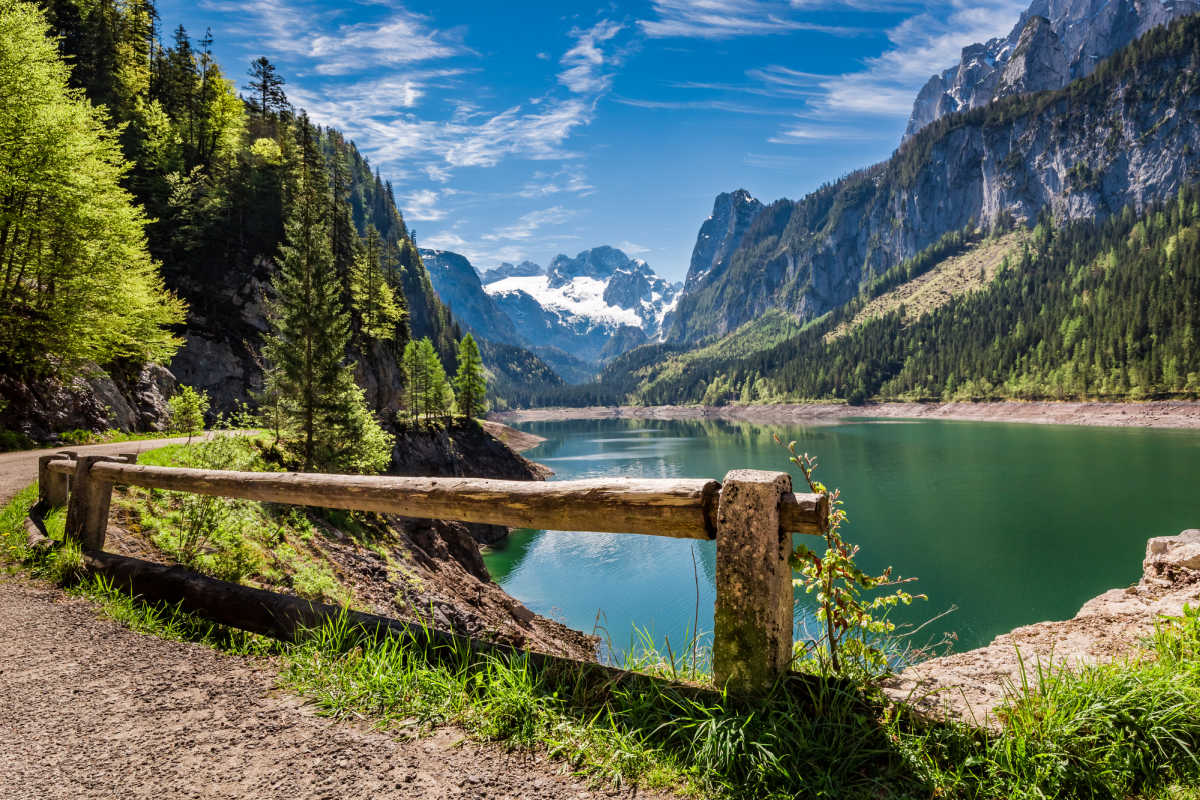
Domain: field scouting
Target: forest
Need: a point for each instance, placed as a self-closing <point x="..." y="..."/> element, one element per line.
<point x="1085" y="310"/>
<point x="141" y="185"/>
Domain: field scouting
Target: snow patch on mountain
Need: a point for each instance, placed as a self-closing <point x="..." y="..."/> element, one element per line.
<point x="583" y="297"/>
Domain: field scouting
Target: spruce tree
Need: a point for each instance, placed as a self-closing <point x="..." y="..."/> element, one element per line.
<point x="470" y="387"/>
<point x="311" y="331"/>
<point x="373" y="298"/>
<point x="416" y="377"/>
<point x="266" y="88"/>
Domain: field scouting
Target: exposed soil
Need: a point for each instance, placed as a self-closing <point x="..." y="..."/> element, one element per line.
<point x="1150" y="414"/>
<point x="91" y="709"/>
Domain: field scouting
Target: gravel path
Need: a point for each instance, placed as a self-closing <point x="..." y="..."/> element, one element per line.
<point x="90" y="709"/>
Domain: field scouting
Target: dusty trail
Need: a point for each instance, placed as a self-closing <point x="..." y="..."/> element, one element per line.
<point x="90" y="709"/>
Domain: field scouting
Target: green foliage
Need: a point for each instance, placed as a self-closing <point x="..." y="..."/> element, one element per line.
<point x="187" y="409"/>
<point x="470" y="387"/>
<point x="78" y="284"/>
<point x="852" y="624"/>
<point x="428" y="396"/>
<point x="14" y="440"/>
<point x="373" y="298"/>
<point x="322" y="412"/>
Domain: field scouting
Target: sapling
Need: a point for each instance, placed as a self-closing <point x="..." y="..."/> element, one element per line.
<point x="847" y="616"/>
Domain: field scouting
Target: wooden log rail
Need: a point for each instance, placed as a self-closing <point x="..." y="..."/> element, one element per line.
<point x="751" y="515"/>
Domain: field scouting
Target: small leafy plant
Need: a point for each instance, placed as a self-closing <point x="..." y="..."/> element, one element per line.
<point x="852" y="622"/>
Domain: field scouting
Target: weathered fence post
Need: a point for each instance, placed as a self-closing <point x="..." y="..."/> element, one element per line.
<point x="87" y="511"/>
<point x="52" y="486"/>
<point x="752" y="637"/>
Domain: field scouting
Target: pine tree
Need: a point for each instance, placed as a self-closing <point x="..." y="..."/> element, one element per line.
<point x="470" y="387"/>
<point x="373" y="298"/>
<point x="416" y="377"/>
<point x="266" y="88"/>
<point x="311" y="332"/>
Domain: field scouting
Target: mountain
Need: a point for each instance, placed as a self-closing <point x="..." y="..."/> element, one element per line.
<point x="591" y="307"/>
<point x="720" y="235"/>
<point x="1124" y="135"/>
<point x="457" y="284"/>
<point x="507" y="270"/>
<point x="1055" y="42"/>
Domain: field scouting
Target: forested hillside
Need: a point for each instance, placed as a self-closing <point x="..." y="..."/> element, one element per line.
<point x="1125" y="134"/>
<point x="210" y="167"/>
<point x="1086" y="310"/>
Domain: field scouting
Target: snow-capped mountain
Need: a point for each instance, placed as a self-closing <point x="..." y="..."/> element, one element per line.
<point x="594" y="306"/>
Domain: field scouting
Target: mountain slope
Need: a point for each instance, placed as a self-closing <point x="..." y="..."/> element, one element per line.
<point x="1055" y="42"/>
<point x="591" y="307"/>
<point x="1125" y="134"/>
<point x="1088" y="310"/>
<point x="457" y="284"/>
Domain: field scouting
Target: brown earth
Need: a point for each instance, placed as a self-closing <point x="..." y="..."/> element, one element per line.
<point x="1150" y="414"/>
<point x="90" y="709"/>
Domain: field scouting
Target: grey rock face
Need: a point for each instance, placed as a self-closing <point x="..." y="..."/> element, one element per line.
<point x="720" y="235"/>
<point x="1055" y="42"/>
<point x="506" y="270"/>
<point x="1122" y="137"/>
<point x="458" y="285"/>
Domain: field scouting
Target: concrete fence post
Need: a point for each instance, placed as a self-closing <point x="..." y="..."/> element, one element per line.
<point x="752" y="637"/>
<point x="87" y="510"/>
<point x="52" y="486"/>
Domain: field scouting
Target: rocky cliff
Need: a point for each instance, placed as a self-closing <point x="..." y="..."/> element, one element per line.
<point x="459" y="287"/>
<point x="1055" y="42"/>
<point x="1124" y="135"/>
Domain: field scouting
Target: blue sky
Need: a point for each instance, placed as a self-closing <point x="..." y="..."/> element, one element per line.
<point x="522" y="130"/>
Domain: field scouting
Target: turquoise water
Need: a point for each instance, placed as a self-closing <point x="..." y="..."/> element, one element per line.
<point x="1008" y="523"/>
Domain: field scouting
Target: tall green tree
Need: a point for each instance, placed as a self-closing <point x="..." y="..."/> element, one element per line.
<point x="77" y="283"/>
<point x="439" y="397"/>
<point x="266" y="88"/>
<point x="311" y="330"/>
<point x="470" y="386"/>
<point x="416" y="380"/>
<point x="373" y="298"/>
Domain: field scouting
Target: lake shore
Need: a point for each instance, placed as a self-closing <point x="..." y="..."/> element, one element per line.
<point x="1150" y="414"/>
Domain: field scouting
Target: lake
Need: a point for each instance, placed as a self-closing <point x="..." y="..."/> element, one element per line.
<point x="1008" y="523"/>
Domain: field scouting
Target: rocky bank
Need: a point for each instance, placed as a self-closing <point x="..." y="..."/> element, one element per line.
<point x="970" y="686"/>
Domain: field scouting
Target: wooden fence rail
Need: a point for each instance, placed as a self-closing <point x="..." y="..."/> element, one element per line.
<point x="751" y="515"/>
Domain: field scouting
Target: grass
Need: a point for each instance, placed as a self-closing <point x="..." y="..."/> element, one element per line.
<point x="260" y="544"/>
<point x="1130" y="729"/>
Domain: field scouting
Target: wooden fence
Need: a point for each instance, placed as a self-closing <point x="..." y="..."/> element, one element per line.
<point x="751" y="514"/>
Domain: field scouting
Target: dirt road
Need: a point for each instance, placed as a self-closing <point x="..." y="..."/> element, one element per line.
<point x="90" y="709"/>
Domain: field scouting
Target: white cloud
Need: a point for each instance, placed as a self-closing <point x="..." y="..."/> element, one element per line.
<point x="529" y="224"/>
<point x="724" y="19"/>
<point x="632" y="248"/>
<point x="305" y="30"/>
<point x="422" y="205"/>
<point x="921" y="45"/>
<point x="584" y="63"/>
<point x="569" y="179"/>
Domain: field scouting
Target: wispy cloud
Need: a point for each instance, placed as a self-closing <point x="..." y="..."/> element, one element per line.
<point x="529" y="224"/>
<point x="423" y="205"/>
<point x="921" y="45"/>
<point x="301" y="29"/>
<point x="569" y="179"/>
<point x="584" y="64"/>
<point x="725" y="19"/>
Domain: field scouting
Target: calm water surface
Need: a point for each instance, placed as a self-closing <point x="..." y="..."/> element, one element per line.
<point x="1010" y="523"/>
